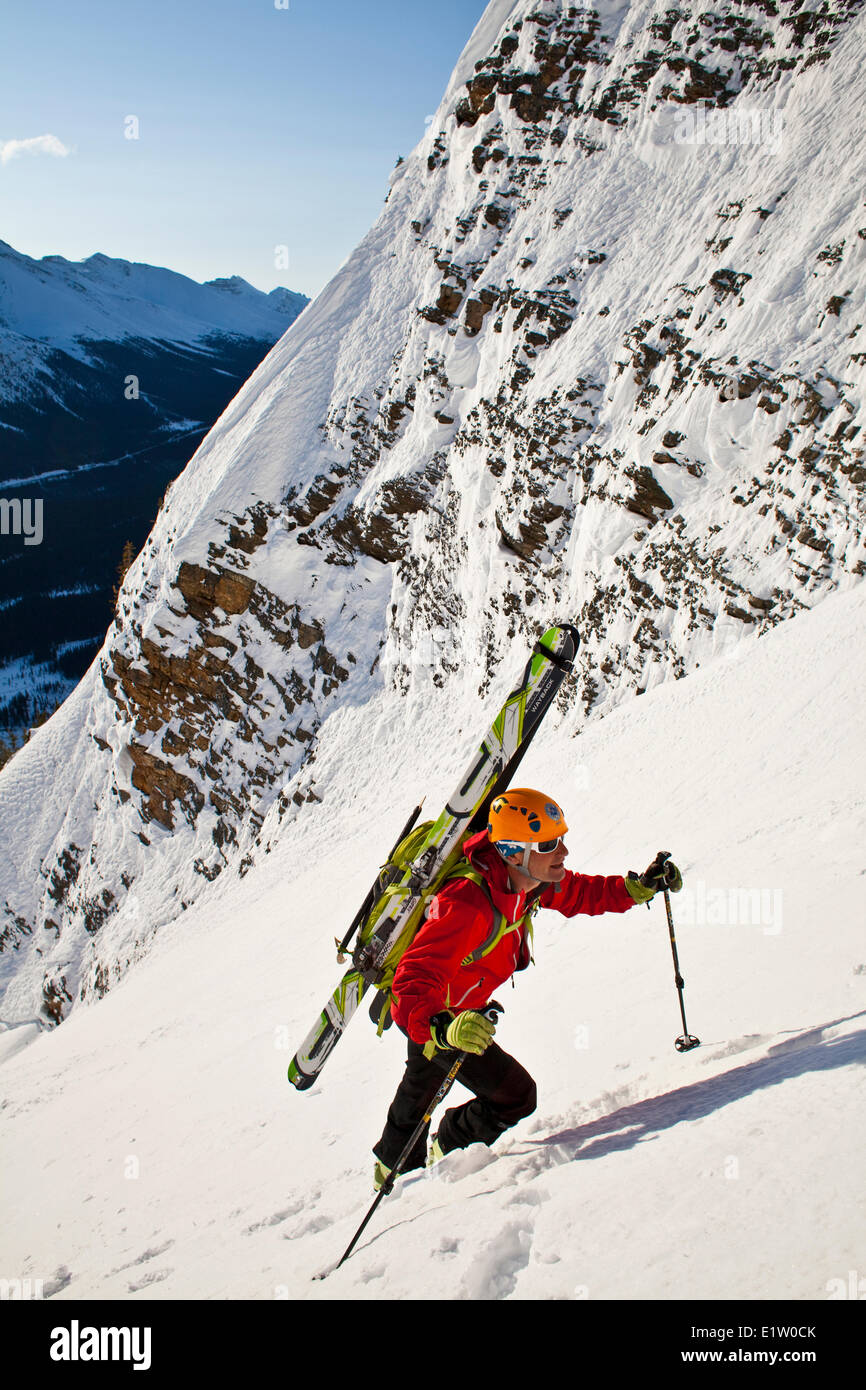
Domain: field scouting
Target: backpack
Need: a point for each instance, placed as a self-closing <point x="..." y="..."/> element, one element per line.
<point x="391" y="884"/>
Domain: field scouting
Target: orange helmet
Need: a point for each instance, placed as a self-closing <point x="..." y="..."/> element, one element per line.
<point x="521" y="820"/>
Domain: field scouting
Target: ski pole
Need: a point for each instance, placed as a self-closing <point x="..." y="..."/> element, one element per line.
<point x="687" y="1041"/>
<point x="492" y="1012"/>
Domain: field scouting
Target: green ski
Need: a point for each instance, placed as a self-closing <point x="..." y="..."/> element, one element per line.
<point x="382" y="940"/>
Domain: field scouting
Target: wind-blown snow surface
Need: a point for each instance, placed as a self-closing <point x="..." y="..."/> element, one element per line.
<point x="152" y="1147"/>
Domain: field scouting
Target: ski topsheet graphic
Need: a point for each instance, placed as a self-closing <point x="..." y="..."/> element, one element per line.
<point x="490" y="772"/>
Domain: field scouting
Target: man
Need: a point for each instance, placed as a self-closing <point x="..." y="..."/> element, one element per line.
<point x="477" y="933"/>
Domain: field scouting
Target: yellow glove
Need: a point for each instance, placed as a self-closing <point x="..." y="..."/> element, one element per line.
<point x="468" y="1032"/>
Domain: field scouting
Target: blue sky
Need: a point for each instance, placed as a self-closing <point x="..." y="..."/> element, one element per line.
<point x="258" y="126"/>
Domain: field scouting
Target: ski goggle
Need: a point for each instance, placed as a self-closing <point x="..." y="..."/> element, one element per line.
<point x="516" y="849"/>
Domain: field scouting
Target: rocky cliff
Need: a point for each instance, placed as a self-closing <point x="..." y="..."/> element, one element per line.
<point x="601" y="356"/>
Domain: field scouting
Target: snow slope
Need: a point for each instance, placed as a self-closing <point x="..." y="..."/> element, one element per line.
<point x="153" y="1149"/>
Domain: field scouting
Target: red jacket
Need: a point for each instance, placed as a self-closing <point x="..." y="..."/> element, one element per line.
<point x="431" y="975"/>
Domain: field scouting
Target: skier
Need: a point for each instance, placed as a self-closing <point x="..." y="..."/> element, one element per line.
<point x="477" y="933"/>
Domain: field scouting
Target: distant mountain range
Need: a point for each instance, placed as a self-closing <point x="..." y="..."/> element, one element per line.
<point x="110" y="374"/>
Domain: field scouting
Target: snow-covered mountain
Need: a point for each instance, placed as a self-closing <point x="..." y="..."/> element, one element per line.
<point x="110" y="373"/>
<point x="52" y="305"/>
<point x="600" y="358"/>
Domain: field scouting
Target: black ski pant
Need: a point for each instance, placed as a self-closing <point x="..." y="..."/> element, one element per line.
<point x="503" y="1091"/>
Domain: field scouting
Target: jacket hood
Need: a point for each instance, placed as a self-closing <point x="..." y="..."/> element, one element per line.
<point x="483" y="856"/>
